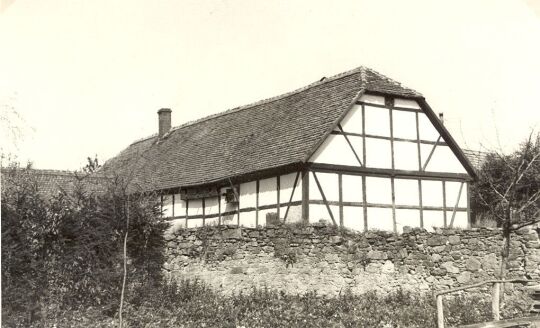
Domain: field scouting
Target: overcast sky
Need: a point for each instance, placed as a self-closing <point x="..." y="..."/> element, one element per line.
<point x="87" y="77"/>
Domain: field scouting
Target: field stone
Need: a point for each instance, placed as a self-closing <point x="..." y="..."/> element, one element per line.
<point x="436" y="240"/>
<point x="449" y="267"/>
<point x="377" y="255"/>
<point x="454" y="240"/>
<point x="388" y="267"/>
<point x="473" y="264"/>
<point x="464" y="277"/>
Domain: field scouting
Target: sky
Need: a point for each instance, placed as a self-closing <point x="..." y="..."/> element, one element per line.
<point x="85" y="78"/>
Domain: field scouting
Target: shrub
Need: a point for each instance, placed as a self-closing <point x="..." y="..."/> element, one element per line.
<point x="64" y="252"/>
<point x="193" y="304"/>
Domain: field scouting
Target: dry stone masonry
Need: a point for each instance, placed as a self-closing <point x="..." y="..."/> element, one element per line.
<point x="299" y="259"/>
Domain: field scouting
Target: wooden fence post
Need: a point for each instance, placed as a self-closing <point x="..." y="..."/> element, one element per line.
<point x="440" y="314"/>
<point x="495" y="297"/>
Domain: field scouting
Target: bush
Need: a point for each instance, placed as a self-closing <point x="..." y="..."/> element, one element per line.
<point x="63" y="252"/>
<point x="192" y="304"/>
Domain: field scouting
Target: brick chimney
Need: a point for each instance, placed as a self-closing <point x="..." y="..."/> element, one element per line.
<point x="164" y="120"/>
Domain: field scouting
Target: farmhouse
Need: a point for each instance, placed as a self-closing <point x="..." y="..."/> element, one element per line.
<point x="358" y="150"/>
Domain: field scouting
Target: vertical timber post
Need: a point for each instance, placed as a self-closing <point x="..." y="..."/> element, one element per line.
<point x="257" y="186"/>
<point x="340" y="185"/>
<point x="305" y="195"/>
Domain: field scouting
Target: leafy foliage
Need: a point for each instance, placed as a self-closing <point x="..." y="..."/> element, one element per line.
<point x="64" y="252"/>
<point x="192" y="304"/>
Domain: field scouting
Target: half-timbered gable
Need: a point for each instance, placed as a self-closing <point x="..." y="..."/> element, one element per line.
<point x="357" y="150"/>
<point x="387" y="163"/>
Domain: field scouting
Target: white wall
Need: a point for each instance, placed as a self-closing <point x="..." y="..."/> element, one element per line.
<point x="248" y="194"/>
<point x="407" y="204"/>
<point x="286" y="186"/>
<point x="379" y="126"/>
<point x="353" y="218"/>
<point x="216" y="210"/>
<point x="336" y="150"/>
<point x="268" y="191"/>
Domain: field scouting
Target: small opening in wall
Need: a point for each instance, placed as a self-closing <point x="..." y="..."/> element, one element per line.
<point x="230" y="195"/>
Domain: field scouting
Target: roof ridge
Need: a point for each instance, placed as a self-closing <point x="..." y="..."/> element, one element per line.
<point x="324" y="80"/>
<point x="389" y="79"/>
<point x="43" y="171"/>
<point x="55" y="172"/>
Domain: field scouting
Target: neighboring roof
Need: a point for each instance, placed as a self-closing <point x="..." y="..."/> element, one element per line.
<point x="50" y="182"/>
<point x="475" y="157"/>
<point x="268" y="134"/>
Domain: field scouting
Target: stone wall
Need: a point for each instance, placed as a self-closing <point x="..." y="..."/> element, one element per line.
<point x="305" y="258"/>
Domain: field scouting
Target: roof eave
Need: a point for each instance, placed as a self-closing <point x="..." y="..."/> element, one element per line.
<point x="447" y="137"/>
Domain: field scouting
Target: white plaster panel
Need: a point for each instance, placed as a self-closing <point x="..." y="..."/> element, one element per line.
<point x="248" y="194"/>
<point x="352" y="122"/>
<point x="231" y="219"/>
<point x="378" y="153"/>
<point x="432" y="193"/>
<point x="286" y="188"/>
<point x="268" y="191"/>
<point x="406" y="156"/>
<point x="329" y="184"/>
<point x="406" y="103"/>
<point x="335" y="150"/>
<point x="222" y="200"/>
<point x="352" y="188"/>
<point x="377" y="121"/>
<point x="179" y="206"/>
<point x="404" y="124"/>
<point x="262" y="215"/>
<point x="460" y="219"/>
<point x="248" y="219"/>
<point x="372" y="99"/>
<point x="167" y="206"/>
<point x="314" y="192"/>
<point x="194" y="223"/>
<point x="426" y="129"/>
<point x="195" y="207"/>
<point x="452" y="192"/>
<point x="433" y="219"/>
<point x="319" y="213"/>
<point x="176" y="225"/>
<point x="353" y="217"/>
<point x="211" y="221"/>
<point x="358" y="146"/>
<point x="406" y="192"/>
<point x="211" y="205"/>
<point x="378" y="190"/>
<point x="407" y="217"/>
<point x="442" y="160"/>
<point x="380" y="219"/>
<point x="294" y="215"/>
<point x="228" y="207"/>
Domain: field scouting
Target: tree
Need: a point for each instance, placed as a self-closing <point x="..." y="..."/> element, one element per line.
<point x="508" y="189"/>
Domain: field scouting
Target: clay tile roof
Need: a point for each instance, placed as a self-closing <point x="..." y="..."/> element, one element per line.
<point x="50" y="182"/>
<point x="271" y="133"/>
<point x="475" y="157"/>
